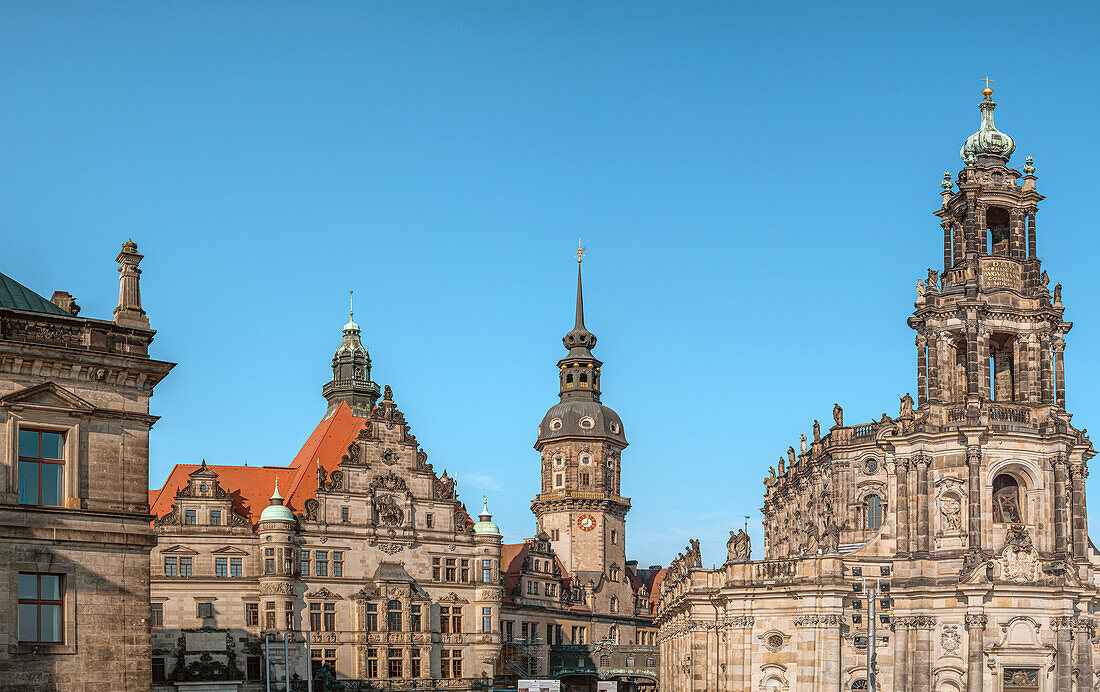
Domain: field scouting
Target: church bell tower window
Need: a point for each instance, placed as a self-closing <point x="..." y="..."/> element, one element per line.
<point x="1006" y="500"/>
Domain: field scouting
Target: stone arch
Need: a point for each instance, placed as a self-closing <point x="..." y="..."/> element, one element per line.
<point x="1028" y="477"/>
<point x="773" y="678"/>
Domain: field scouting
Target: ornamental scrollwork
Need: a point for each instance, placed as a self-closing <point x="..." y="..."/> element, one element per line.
<point x="277" y="587"/>
<point x="391" y="481"/>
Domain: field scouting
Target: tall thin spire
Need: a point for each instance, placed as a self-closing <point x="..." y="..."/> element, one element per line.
<point x="580" y="337"/>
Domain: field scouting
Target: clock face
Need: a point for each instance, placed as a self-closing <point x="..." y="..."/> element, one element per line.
<point x="587" y="522"/>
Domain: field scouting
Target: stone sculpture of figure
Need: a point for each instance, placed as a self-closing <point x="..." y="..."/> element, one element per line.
<point x="696" y="557"/>
<point x="790" y="456"/>
<point x="906" y="405"/>
<point x="950" y="509"/>
<point x="320" y="476"/>
<point x="388" y="511"/>
<point x="817" y="431"/>
<point x="802" y="444"/>
<point x="920" y="288"/>
<point x="838" y="415"/>
<point x="770" y="480"/>
<point x="1058" y="294"/>
<point x="738" y="547"/>
<point x="933" y="279"/>
<point x="782" y="466"/>
<point x="1044" y="279"/>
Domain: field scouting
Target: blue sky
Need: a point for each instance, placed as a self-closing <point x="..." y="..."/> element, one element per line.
<point x="754" y="182"/>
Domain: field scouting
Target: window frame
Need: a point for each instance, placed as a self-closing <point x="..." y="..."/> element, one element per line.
<point x="39" y="461"/>
<point x="38" y="602"/>
<point x="156" y="614"/>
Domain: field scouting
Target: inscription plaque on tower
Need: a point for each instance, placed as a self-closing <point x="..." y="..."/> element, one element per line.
<point x="1001" y="273"/>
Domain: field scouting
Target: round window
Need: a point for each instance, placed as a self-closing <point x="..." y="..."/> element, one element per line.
<point x="615" y="428"/>
<point x="870" y="466"/>
<point x="588" y="422"/>
<point x="555" y="424"/>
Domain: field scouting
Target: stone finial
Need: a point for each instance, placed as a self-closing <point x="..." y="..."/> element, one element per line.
<point x="946" y="184"/>
<point x="65" y="301"/>
<point x="1029" y="167"/>
<point x="129" y="312"/>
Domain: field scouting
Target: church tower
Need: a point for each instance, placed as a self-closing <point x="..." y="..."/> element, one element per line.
<point x="351" y="380"/>
<point x="581" y="442"/>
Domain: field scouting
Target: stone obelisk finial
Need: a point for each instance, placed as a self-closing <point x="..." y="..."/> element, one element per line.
<point x="129" y="312"/>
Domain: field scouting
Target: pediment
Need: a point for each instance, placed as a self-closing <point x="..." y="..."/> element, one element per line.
<point x="230" y="550"/>
<point x="179" y="550"/>
<point x="48" y="395"/>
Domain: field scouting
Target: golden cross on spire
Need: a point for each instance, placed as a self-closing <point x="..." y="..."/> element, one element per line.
<point x="580" y="251"/>
<point x="987" y="80"/>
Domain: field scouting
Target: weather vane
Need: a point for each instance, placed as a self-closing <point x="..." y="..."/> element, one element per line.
<point x="580" y="251"/>
<point x="351" y="304"/>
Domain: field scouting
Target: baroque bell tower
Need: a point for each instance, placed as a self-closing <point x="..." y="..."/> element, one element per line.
<point x="580" y="442"/>
<point x="351" y="380"/>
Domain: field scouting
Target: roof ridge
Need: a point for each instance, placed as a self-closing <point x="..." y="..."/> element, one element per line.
<point x="16" y="296"/>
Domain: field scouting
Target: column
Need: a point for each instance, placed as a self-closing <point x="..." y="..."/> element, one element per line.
<point x="1063" y="642"/>
<point x="922" y="369"/>
<point x="1046" y="374"/>
<point x="956" y="231"/>
<point x="1034" y="381"/>
<point x="1084" y="632"/>
<point x="921" y="462"/>
<point x="1016" y="243"/>
<point x="933" y="365"/>
<point x="1031" y="232"/>
<point x="901" y="467"/>
<point x="947" y="249"/>
<point x="975" y="629"/>
<point x="1078" y="528"/>
<point x="972" y="361"/>
<point x="922" y="664"/>
<point x="1058" y="461"/>
<point x="974" y="496"/>
<point x="1019" y="378"/>
<point x="901" y="655"/>
<point x="983" y="365"/>
<point x="1059" y="374"/>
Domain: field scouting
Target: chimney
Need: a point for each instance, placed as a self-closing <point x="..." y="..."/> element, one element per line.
<point x="129" y="312"/>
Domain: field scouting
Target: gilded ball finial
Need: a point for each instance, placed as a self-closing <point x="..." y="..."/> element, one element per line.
<point x="986" y="91"/>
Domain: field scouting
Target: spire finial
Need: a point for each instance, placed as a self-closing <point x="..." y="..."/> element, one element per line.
<point x="580" y="251"/>
<point x="986" y="91"/>
<point x="351" y="306"/>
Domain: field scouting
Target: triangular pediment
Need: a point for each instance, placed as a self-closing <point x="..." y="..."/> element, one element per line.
<point x="46" y="395"/>
<point x="230" y="550"/>
<point x="179" y="550"/>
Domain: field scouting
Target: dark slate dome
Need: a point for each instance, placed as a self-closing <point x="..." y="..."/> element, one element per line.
<point x="599" y="421"/>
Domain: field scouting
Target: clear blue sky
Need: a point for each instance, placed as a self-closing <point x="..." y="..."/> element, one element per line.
<point x="754" y="182"/>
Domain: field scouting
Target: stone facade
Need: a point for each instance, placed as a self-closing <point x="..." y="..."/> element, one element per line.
<point x="574" y="608"/>
<point x="965" y="512"/>
<point x="370" y="567"/>
<point x="74" y="471"/>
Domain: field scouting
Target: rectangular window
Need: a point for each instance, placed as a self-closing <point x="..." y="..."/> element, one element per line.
<point x="444" y="619"/>
<point x="414" y="662"/>
<point x="185" y="567"/>
<point x="156" y="614"/>
<point x="158" y="670"/>
<point x="372" y="663"/>
<point x="314" y="617"/>
<point x="486" y="620"/>
<point x="288" y="560"/>
<point x="393" y="616"/>
<point x="456" y="620"/>
<point x="252" y="666"/>
<point x="289" y="612"/>
<point x="525" y="632"/>
<point x="445" y="663"/>
<point x="41" y="467"/>
<point x="372" y="617"/>
<point x="395" y="663"/>
<point x="429" y="521"/>
<point x="614" y="536"/>
<point x="40" y="608"/>
<point x="345" y="515"/>
<point x="435" y="569"/>
<point x="337" y="563"/>
<point x="215" y="517"/>
<point x="456" y="663"/>
<point x="582" y="637"/>
<point x="451" y="572"/>
<point x="414" y="617"/>
<point x="235" y="567"/>
<point x="321" y="563"/>
<point x="269" y="615"/>
<point x="584" y="479"/>
<point x="508" y="627"/>
<point x="251" y="614"/>
<point x="303" y="563"/>
<point x="330" y="617"/>
<point x="557" y="480"/>
<point x="189" y="516"/>
<point x="464" y="571"/>
<point x="322" y="658"/>
<point x="221" y="567"/>
<point x="486" y="571"/>
<point x="206" y="610"/>
<point x="170" y="567"/>
<point x="269" y="565"/>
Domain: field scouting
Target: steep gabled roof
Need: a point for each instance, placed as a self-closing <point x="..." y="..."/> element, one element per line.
<point x="249" y="487"/>
<point x="16" y="296"/>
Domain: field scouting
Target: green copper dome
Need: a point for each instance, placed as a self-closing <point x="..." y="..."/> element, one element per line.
<point x="486" y="527"/>
<point x="988" y="145"/>
<point x="276" y="511"/>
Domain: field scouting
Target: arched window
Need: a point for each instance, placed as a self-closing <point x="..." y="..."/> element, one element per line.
<point x="393" y="616"/>
<point x="584" y="378"/>
<point x="605" y="661"/>
<point x="1007" y="508"/>
<point x="614" y="605"/>
<point x="859" y="685"/>
<point x="569" y="379"/>
<point x="872" y="513"/>
<point x="613" y="634"/>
